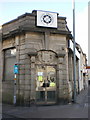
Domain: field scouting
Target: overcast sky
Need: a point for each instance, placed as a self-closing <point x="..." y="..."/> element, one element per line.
<point x="10" y="10"/>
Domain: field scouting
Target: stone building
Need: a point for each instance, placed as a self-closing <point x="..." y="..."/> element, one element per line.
<point x="88" y="73"/>
<point x="36" y="59"/>
<point x="81" y="63"/>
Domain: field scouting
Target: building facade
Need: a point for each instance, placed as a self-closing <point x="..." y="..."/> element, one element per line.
<point x="36" y="60"/>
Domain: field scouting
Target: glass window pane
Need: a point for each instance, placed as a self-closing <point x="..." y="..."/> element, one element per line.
<point x="10" y="52"/>
<point x="10" y="60"/>
<point x="50" y="95"/>
<point x="40" y="96"/>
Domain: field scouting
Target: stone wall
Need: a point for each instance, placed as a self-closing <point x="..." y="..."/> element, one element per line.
<point x="33" y="42"/>
<point x="28" y="21"/>
<point x="29" y="40"/>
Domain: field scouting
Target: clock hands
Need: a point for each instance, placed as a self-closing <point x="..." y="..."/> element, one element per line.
<point x="47" y="19"/>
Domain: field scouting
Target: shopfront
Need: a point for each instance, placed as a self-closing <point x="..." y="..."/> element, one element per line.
<point x="41" y="52"/>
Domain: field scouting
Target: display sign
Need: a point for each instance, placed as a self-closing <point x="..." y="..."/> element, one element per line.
<point x="40" y="73"/>
<point x="15" y="69"/>
<point x="76" y="51"/>
<point x="46" y="19"/>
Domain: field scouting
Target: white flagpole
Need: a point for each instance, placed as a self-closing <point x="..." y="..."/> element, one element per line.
<point x="73" y="4"/>
<point x="74" y="46"/>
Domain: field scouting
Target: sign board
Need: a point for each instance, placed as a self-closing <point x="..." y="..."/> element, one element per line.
<point x="76" y="51"/>
<point x="46" y="19"/>
<point x="71" y="45"/>
<point x="15" y="69"/>
<point x="40" y="73"/>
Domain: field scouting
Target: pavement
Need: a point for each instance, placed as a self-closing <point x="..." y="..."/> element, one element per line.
<point x="77" y="110"/>
<point x="82" y="98"/>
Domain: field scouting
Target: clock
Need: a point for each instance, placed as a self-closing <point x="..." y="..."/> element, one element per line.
<point x="47" y="19"/>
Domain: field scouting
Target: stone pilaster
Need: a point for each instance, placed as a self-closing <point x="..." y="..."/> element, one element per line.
<point x="21" y="77"/>
<point x="27" y="83"/>
<point x="60" y="77"/>
<point x="46" y="40"/>
<point x="33" y="78"/>
<point x="70" y="70"/>
<point x="63" y="79"/>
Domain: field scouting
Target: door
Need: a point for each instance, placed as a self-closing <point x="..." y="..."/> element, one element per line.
<point x="46" y="84"/>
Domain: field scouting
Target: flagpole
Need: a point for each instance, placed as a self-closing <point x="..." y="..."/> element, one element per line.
<point x="74" y="59"/>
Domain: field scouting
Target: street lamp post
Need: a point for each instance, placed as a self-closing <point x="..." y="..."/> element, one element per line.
<point x="74" y="46"/>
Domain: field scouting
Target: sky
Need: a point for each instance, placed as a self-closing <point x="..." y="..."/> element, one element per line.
<point x="10" y="10"/>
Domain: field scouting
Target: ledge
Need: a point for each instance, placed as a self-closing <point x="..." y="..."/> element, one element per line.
<point x="23" y="29"/>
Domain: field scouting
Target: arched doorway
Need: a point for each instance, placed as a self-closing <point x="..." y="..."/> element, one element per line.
<point x="46" y="84"/>
<point x="46" y="78"/>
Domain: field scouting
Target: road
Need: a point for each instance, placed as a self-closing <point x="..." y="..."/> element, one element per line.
<point x="78" y="110"/>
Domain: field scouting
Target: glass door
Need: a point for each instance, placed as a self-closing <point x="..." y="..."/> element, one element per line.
<point x="46" y="84"/>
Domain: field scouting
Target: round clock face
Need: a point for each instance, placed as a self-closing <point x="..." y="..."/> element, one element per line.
<point x="46" y="19"/>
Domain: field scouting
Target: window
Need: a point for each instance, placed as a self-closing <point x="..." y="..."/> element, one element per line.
<point x="10" y="60"/>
